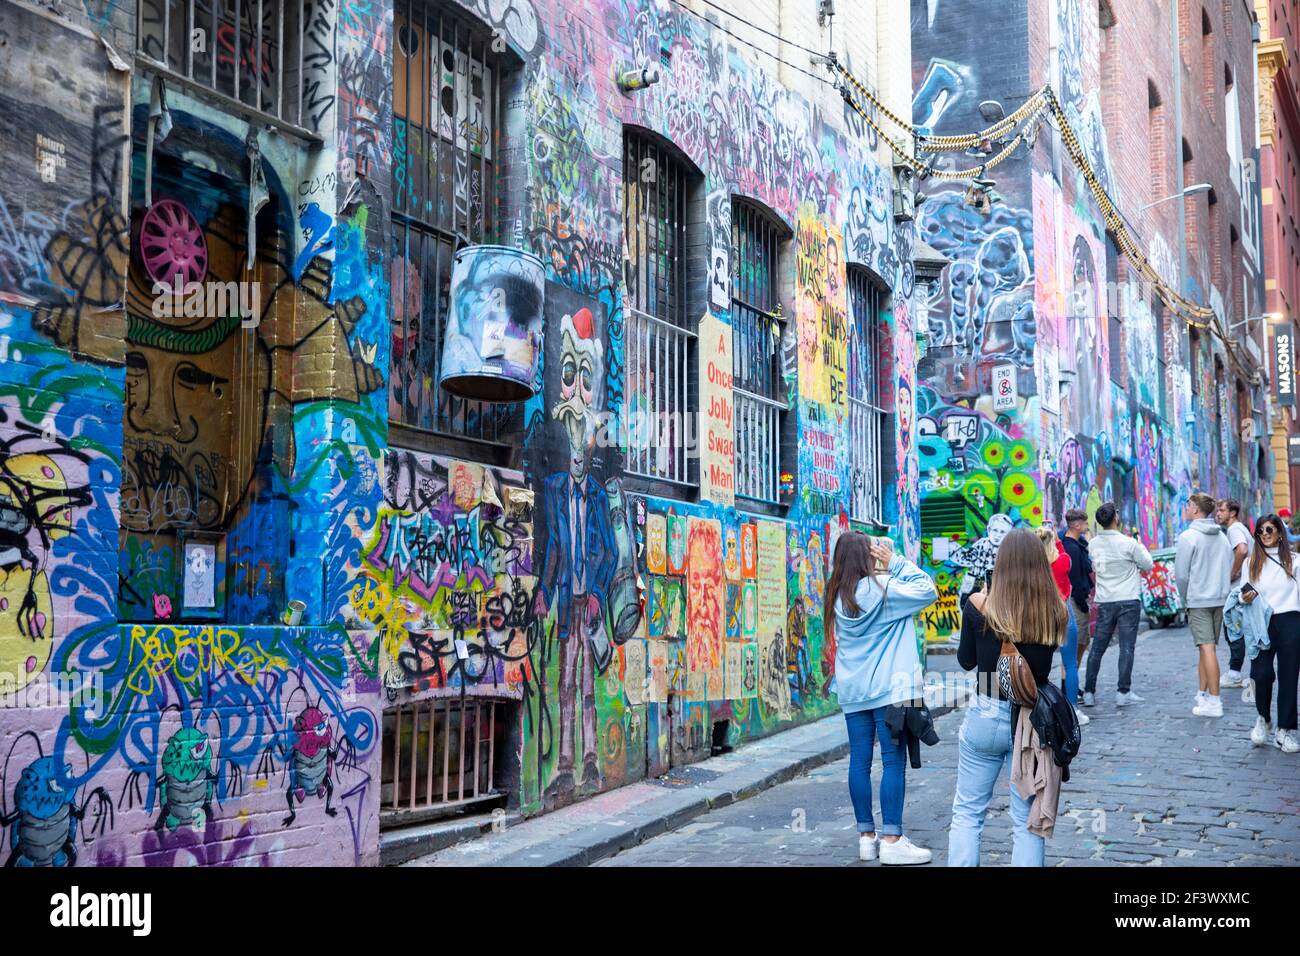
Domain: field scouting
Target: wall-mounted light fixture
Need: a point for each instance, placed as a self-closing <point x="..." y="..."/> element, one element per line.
<point x="629" y="81"/>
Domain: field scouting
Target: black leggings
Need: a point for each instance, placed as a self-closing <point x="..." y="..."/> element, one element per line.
<point x="1284" y="645"/>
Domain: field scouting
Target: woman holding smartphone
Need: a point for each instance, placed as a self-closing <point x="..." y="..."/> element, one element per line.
<point x="1271" y="574"/>
<point x="869" y="602"/>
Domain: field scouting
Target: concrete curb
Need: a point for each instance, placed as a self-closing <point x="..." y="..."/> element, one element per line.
<point x="409" y="843"/>
<point x="674" y="809"/>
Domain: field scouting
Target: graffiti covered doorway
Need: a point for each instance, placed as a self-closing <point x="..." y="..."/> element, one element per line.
<point x="198" y="375"/>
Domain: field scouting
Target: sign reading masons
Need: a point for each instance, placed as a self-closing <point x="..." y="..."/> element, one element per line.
<point x="1284" y="364"/>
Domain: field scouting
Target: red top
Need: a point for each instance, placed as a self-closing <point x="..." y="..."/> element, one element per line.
<point x="1061" y="571"/>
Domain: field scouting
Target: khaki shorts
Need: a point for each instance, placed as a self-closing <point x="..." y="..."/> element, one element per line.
<point x="1206" y="623"/>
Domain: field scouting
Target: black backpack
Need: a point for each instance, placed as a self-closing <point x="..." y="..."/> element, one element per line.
<point x="1057" y="726"/>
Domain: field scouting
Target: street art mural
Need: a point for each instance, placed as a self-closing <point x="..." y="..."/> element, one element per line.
<point x="627" y="630"/>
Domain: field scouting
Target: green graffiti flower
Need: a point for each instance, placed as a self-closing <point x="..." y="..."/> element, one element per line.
<point x="1019" y="489"/>
<point x="1021" y="454"/>
<point x="995" y="454"/>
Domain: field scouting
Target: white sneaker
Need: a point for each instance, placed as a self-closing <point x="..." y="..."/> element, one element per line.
<point x="1089" y="699"/>
<point x="1083" y="718"/>
<point x="1200" y="698"/>
<point x="1123" y="700"/>
<point x="868" y="847"/>
<point x="1233" y="679"/>
<point x="1286" y="740"/>
<point x="1260" y="733"/>
<point x="902" y="852"/>
<point x="1209" y="707"/>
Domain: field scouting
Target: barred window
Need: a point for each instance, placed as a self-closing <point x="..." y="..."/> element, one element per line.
<point x="446" y="104"/>
<point x="257" y="56"/>
<point x="867" y="417"/>
<point x="659" y="336"/>
<point x="756" y="242"/>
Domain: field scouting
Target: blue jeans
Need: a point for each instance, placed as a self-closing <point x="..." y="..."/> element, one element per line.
<point x="1070" y="656"/>
<point x="864" y="727"/>
<point x="984" y="744"/>
<point x="1117" y="617"/>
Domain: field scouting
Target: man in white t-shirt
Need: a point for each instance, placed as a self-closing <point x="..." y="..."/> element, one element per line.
<point x="1228" y="513"/>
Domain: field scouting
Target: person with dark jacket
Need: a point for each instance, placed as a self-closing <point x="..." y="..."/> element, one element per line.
<point x="1075" y="542"/>
<point x="1024" y="607"/>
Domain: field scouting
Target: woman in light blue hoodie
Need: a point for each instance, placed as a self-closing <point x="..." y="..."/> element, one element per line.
<point x="868" y="614"/>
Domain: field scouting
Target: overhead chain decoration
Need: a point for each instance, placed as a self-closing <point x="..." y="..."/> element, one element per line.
<point x="1026" y="121"/>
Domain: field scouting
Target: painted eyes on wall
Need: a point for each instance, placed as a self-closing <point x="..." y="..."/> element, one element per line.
<point x="570" y="374"/>
<point x="193" y="377"/>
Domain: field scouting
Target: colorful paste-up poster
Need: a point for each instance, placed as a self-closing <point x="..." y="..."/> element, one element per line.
<point x="464" y="479"/>
<point x="656" y="533"/>
<point x="748" y="550"/>
<point x="676" y="544"/>
<point x="822" y="312"/>
<point x="717" y="430"/>
<point x="677" y="670"/>
<point x="749" y="671"/>
<point x="717" y="687"/>
<point x="705" y="595"/>
<point x="657" y="665"/>
<point x="731" y="544"/>
<point x="749" y="610"/>
<point x="735" y="671"/>
<point x="732" y="611"/>
<point x="634" y="672"/>
<point x="667" y="608"/>
<point x="774" y="684"/>
<point x="697" y="687"/>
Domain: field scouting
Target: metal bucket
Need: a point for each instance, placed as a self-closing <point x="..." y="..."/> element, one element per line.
<point x="493" y="341"/>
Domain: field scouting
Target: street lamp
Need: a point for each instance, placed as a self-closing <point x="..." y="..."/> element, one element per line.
<point x="1189" y="191"/>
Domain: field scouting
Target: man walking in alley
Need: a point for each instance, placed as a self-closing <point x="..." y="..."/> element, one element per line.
<point x="1116" y="561"/>
<point x="1228" y="514"/>
<point x="1075" y="543"/>
<point x="1203" y="568"/>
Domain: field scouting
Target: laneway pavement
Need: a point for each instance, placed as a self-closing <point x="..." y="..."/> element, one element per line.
<point x="1153" y="786"/>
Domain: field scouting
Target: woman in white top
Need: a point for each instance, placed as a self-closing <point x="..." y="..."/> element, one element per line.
<point x="1272" y="571"/>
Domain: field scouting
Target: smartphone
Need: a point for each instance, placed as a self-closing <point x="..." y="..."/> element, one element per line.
<point x="1247" y="589"/>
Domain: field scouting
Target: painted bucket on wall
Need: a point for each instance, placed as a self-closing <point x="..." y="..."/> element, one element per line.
<point x="494" y="330"/>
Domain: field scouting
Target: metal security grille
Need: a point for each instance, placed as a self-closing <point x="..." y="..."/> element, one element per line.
<point x="439" y="753"/>
<point x="866" y="416"/>
<point x="660" y="348"/>
<point x="446" y="101"/>
<point x="257" y="56"/>
<point x="756" y="337"/>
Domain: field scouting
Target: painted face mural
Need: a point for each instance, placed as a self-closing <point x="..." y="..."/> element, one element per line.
<point x="580" y="371"/>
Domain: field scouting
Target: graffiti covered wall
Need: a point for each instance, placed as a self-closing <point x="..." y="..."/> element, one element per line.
<point x="213" y="529"/>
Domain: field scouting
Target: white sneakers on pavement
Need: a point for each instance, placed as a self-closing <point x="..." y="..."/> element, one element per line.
<point x="1260" y="733"/>
<point x="1089" y="699"/>
<point x="1209" y="706"/>
<point x="1286" y="741"/>
<point x="1123" y="700"/>
<point x="868" y="847"/>
<point x="902" y="852"/>
<point x="1083" y="718"/>
<point x="1233" y="679"/>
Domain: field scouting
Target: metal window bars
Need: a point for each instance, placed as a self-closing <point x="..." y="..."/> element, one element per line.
<point x="446" y="101"/>
<point x="439" y="752"/>
<point x="866" y="416"/>
<point x="756" y="362"/>
<point x="267" y="60"/>
<point x="659" y="346"/>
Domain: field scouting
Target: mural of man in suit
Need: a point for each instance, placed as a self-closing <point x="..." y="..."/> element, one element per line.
<point x="580" y="554"/>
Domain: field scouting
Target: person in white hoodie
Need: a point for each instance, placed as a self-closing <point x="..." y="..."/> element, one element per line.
<point x="1117" y="560"/>
<point x="1203" y="570"/>
<point x="1272" y="572"/>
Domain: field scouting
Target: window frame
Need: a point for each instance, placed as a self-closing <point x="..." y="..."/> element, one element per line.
<point x="432" y="216"/>
<point x="758" y="323"/>
<point x="868" y="418"/>
<point x="661" y="318"/>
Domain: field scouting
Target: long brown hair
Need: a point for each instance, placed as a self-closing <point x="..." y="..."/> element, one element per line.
<point x="1257" y="555"/>
<point x="1024" y="605"/>
<point x="853" y="561"/>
